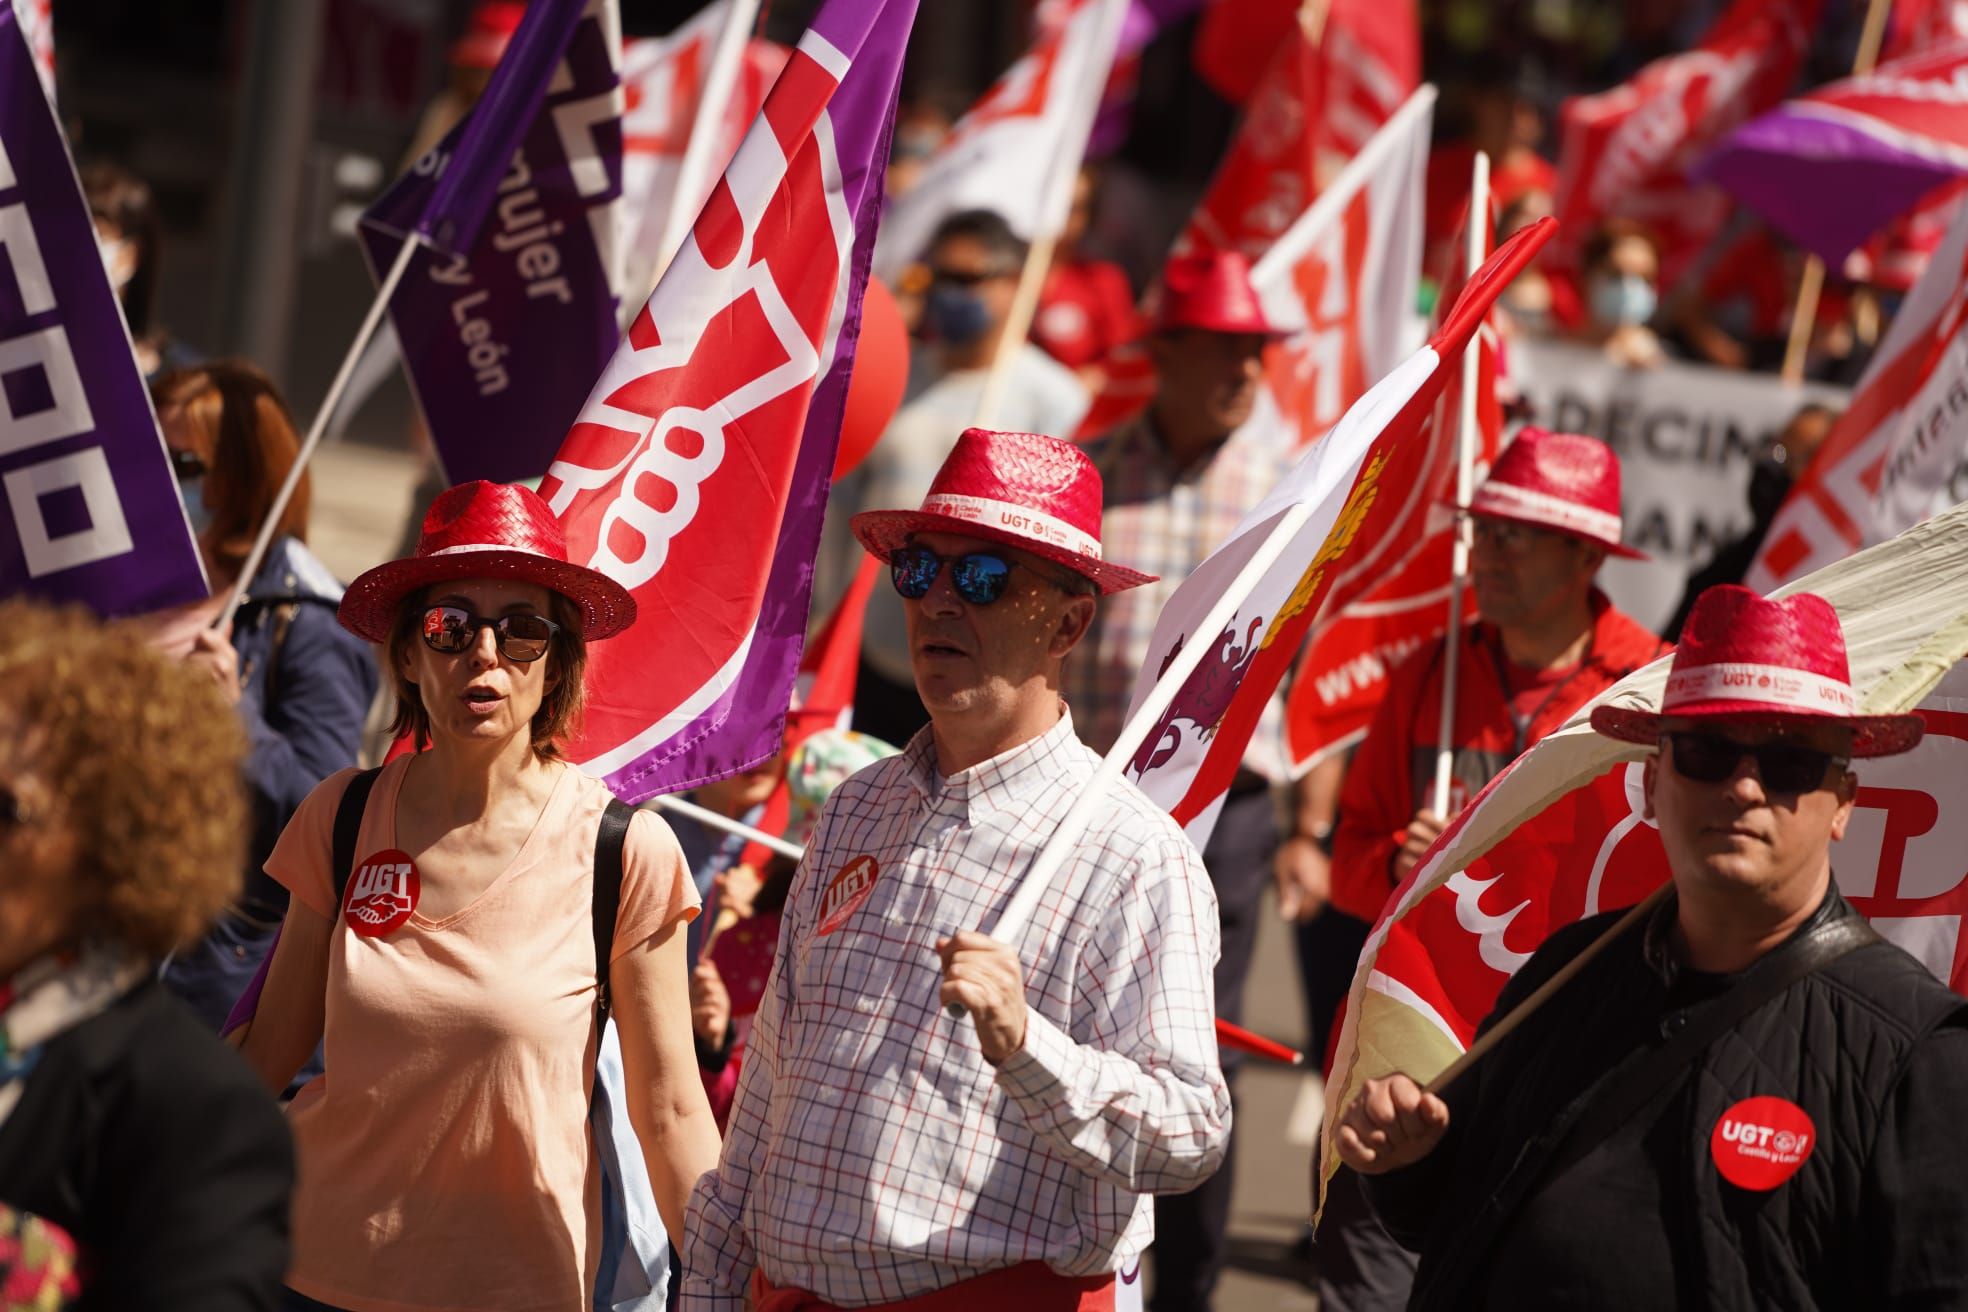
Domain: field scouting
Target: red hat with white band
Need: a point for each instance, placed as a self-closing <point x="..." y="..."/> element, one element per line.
<point x="1024" y="490"/>
<point x="1562" y="481"/>
<point x="1213" y="292"/>
<point x="1743" y="657"/>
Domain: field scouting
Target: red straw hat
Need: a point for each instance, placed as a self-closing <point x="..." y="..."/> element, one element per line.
<point x="487" y="531"/>
<point x="1563" y="481"/>
<point x="1029" y="491"/>
<point x="1212" y="292"/>
<point x="490" y="31"/>
<point x="1745" y="657"/>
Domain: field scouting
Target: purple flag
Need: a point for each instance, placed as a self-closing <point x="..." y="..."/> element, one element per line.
<point x="1831" y="168"/>
<point x="471" y="166"/>
<point x="502" y="341"/>
<point x="697" y="472"/>
<point x="91" y="505"/>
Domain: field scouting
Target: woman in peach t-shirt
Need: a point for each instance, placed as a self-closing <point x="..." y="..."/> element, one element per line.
<point x="445" y="1160"/>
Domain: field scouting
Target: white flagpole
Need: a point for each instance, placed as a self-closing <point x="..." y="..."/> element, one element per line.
<point x="1474" y="255"/>
<point x="370" y="322"/>
<point x="707" y="817"/>
<point x="1052" y="217"/>
<point x="719" y="80"/>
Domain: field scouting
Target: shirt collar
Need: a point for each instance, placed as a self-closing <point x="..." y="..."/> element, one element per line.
<point x="1003" y="782"/>
<point x="1657" y="944"/>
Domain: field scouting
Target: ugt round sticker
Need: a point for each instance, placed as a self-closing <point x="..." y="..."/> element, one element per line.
<point x="382" y="894"/>
<point x="1760" y="1142"/>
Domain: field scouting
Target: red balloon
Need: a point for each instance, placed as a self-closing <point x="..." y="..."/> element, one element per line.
<point x="874" y="388"/>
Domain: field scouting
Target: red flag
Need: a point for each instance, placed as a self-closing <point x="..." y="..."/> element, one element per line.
<point x="1350" y="651"/>
<point x="1626" y="152"/>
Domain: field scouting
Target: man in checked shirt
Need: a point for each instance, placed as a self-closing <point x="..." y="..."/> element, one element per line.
<point x="880" y="1152"/>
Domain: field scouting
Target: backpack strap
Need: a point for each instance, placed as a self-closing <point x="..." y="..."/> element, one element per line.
<point x="348" y="826"/>
<point x="610" y="839"/>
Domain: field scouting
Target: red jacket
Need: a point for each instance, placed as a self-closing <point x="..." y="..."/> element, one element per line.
<point x="1394" y="770"/>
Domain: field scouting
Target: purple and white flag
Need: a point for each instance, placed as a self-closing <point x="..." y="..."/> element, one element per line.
<point x="697" y="473"/>
<point x="87" y="495"/>
<point x="502" y="340"/>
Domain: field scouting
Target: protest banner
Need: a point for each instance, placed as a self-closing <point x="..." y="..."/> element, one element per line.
<point x="697" y="471"/>
<point x="501" y="340"/>
<point x="90" y="501"/>
<point x="1686" y="435"/>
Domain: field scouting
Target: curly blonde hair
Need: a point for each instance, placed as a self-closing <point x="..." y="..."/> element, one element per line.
<point x="143" y="756"/>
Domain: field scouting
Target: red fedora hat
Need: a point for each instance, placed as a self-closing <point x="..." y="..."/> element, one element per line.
<point x="1745" y="657"/>
<point x="1563" y="481"/>
<point x="1026" y="490"/>
<point x="487" y="531"/>
<point x="1213" y="292"/>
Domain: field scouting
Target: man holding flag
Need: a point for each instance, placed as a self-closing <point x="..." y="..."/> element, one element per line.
<point x="1178" y="479"/>
<point x="1743" y="1096"/>
<point x="1547" y="642"/>
<point x="881" y="1151"/>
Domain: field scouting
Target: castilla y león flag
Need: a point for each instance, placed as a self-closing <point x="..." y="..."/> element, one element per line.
<point x="1563" y="833"/>
<point x="697" y="472"/>
<point x="1353" y="478"/>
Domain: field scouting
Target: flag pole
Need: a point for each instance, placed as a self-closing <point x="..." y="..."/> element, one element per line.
<point x="719" y="81"/>
<point x="370" y="322"/>
<point x="704" y="816"/>
<point x="1805" y="313"/>
<point x="1473" y="256"/>
<point x="1052" y="220"/>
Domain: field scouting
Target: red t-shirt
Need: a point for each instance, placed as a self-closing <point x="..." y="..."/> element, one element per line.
<point x="1085" y="310"/>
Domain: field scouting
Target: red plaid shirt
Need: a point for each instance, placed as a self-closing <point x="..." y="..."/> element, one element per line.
<point x="873" y="1154"/>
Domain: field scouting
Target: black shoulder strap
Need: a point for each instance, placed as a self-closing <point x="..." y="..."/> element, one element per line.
<point x="348" y="825"/>
<point x="609" y="842"/>
<point x="1618" y="1100"/>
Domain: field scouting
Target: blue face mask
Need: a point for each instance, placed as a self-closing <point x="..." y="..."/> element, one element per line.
<point x="1623" y="300"/>
<point x="956" y="316"/>
<point x="193" y="491"/>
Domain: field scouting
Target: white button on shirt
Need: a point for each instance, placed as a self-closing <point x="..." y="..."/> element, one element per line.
<point x="873" y="1154"/>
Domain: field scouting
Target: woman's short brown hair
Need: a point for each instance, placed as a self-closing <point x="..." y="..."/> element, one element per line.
<point x="144" y="757"/>
<point x="567" y="671"/>
<point x="238" y="415"/>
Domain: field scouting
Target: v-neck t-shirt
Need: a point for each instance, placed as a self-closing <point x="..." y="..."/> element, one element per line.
<point x="445" y="1160"/>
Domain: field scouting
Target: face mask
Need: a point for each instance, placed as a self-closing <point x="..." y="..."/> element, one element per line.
<point x="955" y="316"/>
<point x="118" y="262"/>
<point x="1769" y="483"/>
<point x="1623" y="300"/>
<point x="193" y="491"/>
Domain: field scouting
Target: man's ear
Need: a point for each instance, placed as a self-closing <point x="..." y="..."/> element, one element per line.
<point x="1075" y="618"/>
<point x="1847" y="792"/>
<point x="1647" y="776"/>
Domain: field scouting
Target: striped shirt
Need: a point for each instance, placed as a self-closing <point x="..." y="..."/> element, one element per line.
<point x="873" y="1154"/>
<point x="1165" y="521"/>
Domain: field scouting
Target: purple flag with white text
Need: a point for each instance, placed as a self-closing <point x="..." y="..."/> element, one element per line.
<point x="697" y="472"/>
<point x="89" y="502"/>
<point x="502" y="341"/>
<point x="471" y="166"/>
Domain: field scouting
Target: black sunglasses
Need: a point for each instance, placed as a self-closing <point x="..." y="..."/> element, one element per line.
<point x="522" y="638"/>
<point x="1709" y="758"/>
<point x="978" y="576"/>
<point x="187" y="465"/>
<point x="967" y="277"/>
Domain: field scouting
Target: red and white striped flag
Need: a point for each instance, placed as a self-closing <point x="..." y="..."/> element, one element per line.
<point x="1352" y="480"/>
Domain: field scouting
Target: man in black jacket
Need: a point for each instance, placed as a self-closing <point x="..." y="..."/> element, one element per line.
<point x="1747" y="1099"/>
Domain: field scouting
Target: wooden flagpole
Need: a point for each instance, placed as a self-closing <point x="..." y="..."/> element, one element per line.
<point x="1474" y="254"/>
<point x="1804" y="315"/>
<point x="370" y="322"/>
